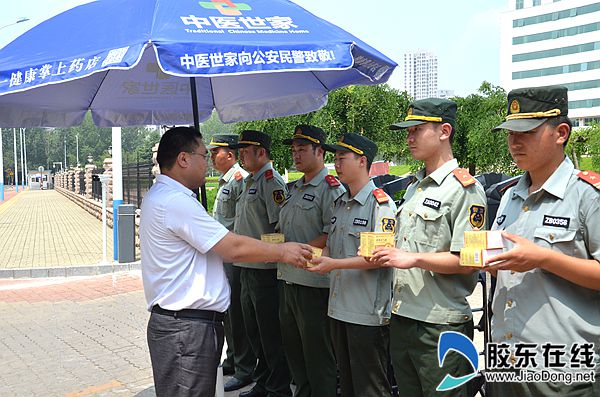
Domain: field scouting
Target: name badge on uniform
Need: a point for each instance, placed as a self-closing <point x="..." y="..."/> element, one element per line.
<point x="360" y="222"/>
<point x="431" y="203"/>
<point x="225" y="191"/>
<point x="556" y="221"/>
<point x="252" y="191"/>
<point x="500" y="219"/>
<point x="309" y="197"/>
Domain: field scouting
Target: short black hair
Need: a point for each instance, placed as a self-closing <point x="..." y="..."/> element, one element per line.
<point x="558" y="120"/>
<point x="369" y="162"/>
<point x="175" y="141"/>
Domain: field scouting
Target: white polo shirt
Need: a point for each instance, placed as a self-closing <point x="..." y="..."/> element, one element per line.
<point x="179" y="270"/>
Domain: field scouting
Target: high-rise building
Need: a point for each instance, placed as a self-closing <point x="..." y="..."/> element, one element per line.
<point x="420" y="74"/>
<point x="548" y="42"/>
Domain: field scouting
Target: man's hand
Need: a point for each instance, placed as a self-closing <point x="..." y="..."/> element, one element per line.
<point x="296" y="254"/>
<point x="523" y="257"/>
<point x="322" y="265"/>
<point x="392" y="257"/>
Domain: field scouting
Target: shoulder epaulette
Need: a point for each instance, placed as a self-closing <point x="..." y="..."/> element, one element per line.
<point x="238" y="176"/>
<point x="332" y="181"/>
<point x="464" y="177"/>
<point x="380" y="196"/>
<point x="269" y="174"/>
<point x="590" y="177"/>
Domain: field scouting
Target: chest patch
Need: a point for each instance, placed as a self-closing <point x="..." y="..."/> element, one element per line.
<point x="309" y="197"/>
<point x="556" y="221"/>
<point x="225" y="191"/>
<point x="431" y="203"/>
<point x="500" y="220"/>
<point x="252" y="191"/>
<point x="360" y="222"/>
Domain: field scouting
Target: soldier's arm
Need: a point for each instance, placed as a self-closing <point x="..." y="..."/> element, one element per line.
<point x="326" y="264"/>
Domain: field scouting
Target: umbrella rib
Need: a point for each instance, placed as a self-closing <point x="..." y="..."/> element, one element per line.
<point x="319" y="80"/>
<point x="96" y="93"/>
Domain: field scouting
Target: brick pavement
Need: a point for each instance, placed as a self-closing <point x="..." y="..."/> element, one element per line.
<point x="43" y="229"/>
<point x="75" y="337"/>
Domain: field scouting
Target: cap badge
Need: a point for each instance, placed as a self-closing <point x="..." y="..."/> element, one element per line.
<point x="410" y="111"/>
<point x="515" y="107"/>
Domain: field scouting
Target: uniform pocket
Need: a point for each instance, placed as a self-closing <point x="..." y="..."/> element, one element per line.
<point x="556" y="239"/>
<point x="428" y="225"/>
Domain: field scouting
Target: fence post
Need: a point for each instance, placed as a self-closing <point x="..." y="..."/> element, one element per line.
<point x="109" y="184"/>
<point x="89" y="169"/>
<point x="138" y="182"/>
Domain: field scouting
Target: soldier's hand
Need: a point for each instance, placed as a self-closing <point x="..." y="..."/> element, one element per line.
<point x="296" y="254"/>
<point x="524" y="256"/>
<point x="322" y="265"/>
<point x="392" y="257"/>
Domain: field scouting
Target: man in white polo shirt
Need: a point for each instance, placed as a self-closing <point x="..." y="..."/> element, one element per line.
<point x="183" y="249"/>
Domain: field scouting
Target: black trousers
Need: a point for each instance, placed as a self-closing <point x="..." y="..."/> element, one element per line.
<point x="362" y="354"/>
<point x="185" y="354"/>
<point x="239" y="353"/>
<point x="307" y="340"/>
<point x="260" y="303"/>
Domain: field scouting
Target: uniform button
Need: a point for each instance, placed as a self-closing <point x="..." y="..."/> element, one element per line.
<point x="411" y="214"/>
<point x="512" y="272"/>
<point x="419" y="190"/>
<point x="513" y="359"/>
<point x="466" y="318"/>
<point x="525" y="209"/>
<point x="551" y="236"/>
<point x="334" y="294"/>
<point x="509" y="303"/>
<point x="278" y="274"/>
<point x="509" y="335"/>
<point x="396" y="307"/>
<point x="425" y="216"/>
<point x="404" y="238"/>
<point x="348" y="208"/>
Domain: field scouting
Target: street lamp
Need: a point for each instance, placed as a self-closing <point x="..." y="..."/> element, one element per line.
<point x="104" y="180"/>
<point x="41" y="170"/>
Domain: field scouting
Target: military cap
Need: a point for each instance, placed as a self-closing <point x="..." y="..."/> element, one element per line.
<point x="253" y="138"/>
<point x="528" y="108"/>
<point x="307" y="134"/>
<point x="355" y="143"/>
<point x="430" y="110"/>
<point x="222" y="141"/>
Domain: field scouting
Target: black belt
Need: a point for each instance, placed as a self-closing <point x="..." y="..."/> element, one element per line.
<point x="190" y="313"/>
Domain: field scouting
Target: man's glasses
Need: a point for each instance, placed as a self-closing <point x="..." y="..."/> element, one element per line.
<point x="205" y="155"/>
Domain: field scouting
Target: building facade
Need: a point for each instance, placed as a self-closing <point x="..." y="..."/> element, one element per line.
<point x="421" y="74"/>
<point x="547" y="42"/>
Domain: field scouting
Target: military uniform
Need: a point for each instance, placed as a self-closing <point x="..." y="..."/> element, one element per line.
<point x="240" y="359"/>
<point x="360" y="300"/>
<point x="305" y="215"/>
<point x="257" y="213"/>
<point x="538" y="307"/>
<point x="437" y="209"/>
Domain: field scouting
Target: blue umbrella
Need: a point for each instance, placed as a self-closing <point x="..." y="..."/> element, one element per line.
<point x="134" y="62"/>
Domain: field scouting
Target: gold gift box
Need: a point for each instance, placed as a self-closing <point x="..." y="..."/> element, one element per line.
<point x="317" y="252"/>
<point x="477" y="257"/>
<point x="275" y="238"/>
<point x="371" y="240"/>
<point x="484" y="239"/>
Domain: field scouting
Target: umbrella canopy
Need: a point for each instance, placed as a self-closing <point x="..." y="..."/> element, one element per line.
<point x="133" y="62"/>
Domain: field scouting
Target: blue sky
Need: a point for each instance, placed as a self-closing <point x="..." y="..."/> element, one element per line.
<point x="464" y="34"/>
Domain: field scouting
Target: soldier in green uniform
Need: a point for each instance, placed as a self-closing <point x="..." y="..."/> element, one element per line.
<point x="430" y="287"/>
<point x="360" y="296"/>
<point x="240" y="361"/>
<point x="547" y="296"/>
<point x="257" y="213"/>
<point x="306" y="217"/>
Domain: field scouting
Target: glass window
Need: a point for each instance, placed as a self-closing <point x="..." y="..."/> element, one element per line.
<point x="537" y="3"/>
<point x="519" y="4"/>
<point x="569" y="13"/>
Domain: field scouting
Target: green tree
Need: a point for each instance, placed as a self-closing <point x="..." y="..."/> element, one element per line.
<point x="475" y="145"/>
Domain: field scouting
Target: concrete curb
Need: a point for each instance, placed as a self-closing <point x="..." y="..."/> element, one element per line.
<point x="85" y="270"/>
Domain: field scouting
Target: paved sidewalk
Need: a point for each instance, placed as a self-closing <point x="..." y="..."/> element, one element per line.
<point x="44" y="229"/>
<point x="75" y="337"/>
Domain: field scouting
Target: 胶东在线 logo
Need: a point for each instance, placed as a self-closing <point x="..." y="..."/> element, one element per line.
<point x="454" y="341"/>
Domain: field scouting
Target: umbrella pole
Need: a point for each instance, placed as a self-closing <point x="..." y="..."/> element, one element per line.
<point x="202" y="194"/>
